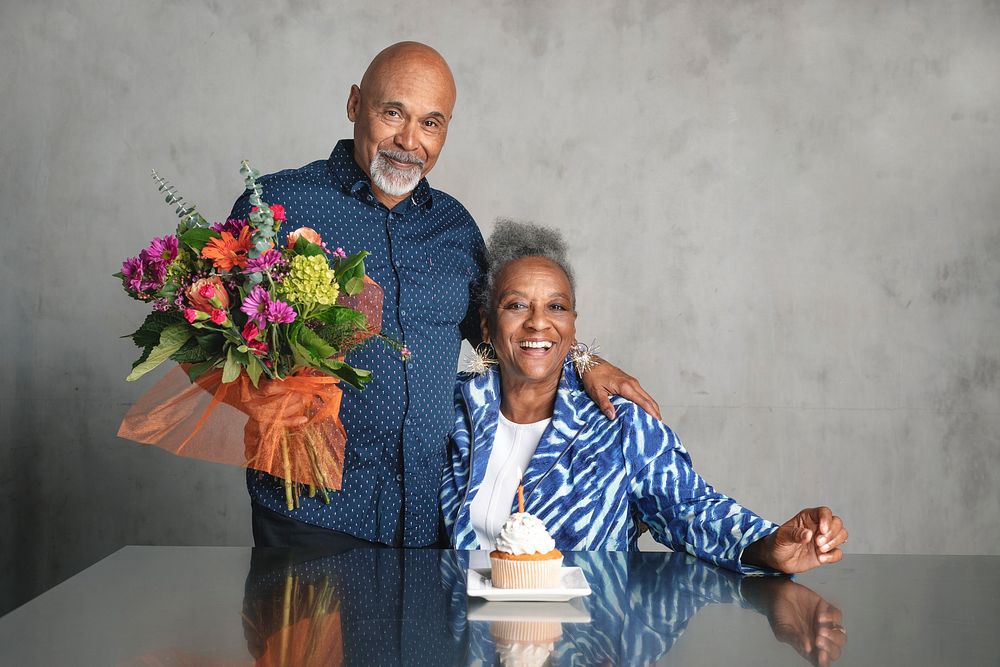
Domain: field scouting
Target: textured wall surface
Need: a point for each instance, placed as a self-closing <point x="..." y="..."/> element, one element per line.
<point x="784" y="217"/>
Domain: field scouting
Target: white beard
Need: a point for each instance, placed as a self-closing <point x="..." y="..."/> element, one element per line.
<point x="390" y="180"/>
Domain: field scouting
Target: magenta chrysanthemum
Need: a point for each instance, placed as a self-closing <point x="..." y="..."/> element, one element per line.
<point x="280" y="312"/>
<point x="232" y="225"/>
<point x="132" y="272"/>
<point x="160" y="249"/>
<point x="262" y="263"/>
<point x="255" y="306"/>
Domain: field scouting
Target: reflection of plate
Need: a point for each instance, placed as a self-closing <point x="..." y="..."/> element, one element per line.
<point x="562" y="612"/>
<point x="573" y="585"/>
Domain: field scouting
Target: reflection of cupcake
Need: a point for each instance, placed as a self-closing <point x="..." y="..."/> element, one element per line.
<point x="526" y="555"/>
<point x="525" y="643"/>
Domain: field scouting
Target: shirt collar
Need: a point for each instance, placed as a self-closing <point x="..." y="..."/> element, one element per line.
<point x="353" y="180"/>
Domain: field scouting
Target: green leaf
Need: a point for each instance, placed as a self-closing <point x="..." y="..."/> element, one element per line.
<point x="341" y="316"/>
<point x="232" y="368"/>
<point x="197" y="370"/>
<point x="315" y="345"/>
<point x="197" y="237"/>
<point x="351" y="273"/>
<point x="254" y="369"/>
<point x="190" y="353"/>
<point x="304" y="247"/>
<point x="356" y="377"/>
<point x="172" y="339"/>
<point x="148" y="335"/>
<point x="354" y="285"/>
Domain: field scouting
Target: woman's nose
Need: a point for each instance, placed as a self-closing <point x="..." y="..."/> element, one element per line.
<point x="537" y="319"/>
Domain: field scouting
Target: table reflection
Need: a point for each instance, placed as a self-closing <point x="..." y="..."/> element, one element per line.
<point x="409" y="607"/>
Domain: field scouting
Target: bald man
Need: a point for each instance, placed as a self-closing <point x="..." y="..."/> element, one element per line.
<point x="427" y="254"/>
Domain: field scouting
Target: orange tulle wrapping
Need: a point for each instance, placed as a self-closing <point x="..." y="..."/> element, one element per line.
<point x="209" y="420"/>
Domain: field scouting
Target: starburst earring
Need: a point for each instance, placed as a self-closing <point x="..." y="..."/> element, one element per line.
<point x="481" y="360"/>
<point x="584" y="356"/>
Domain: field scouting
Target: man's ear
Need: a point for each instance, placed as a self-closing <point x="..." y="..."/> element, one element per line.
<point x="353" y="103"/>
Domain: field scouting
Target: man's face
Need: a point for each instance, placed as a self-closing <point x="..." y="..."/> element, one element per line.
<point x="400" y="124"/>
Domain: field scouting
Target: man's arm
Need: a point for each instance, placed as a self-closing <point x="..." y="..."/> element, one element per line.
<point x="604" y="380"/>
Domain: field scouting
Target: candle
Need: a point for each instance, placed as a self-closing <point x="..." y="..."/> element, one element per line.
<point x="520" y="490"/>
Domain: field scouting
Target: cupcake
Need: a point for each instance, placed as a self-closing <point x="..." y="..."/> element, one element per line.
<point x="526" y="555"/>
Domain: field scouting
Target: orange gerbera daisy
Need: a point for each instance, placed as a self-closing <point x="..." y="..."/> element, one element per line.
<point x="228" y="251"/>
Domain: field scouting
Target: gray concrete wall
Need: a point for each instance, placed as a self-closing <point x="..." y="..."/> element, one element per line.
<point x="784" y="217"/>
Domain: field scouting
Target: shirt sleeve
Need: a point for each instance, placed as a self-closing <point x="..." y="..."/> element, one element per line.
<point x="682" y="510"/>
<point x="456" y="473"/>
<point x="470" y="325"/>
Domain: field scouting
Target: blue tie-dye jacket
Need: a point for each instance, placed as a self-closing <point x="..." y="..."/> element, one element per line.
<point x="592" y="480"/>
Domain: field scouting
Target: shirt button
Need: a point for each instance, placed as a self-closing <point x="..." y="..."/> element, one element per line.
<point x="399" y="478"/>
<point x="402" y="311"/>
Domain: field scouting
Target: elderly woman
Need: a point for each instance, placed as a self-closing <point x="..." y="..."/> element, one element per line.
<point x="591" y="480"/>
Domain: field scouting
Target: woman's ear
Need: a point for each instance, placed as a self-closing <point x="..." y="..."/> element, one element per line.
<point x="484" y="325"/>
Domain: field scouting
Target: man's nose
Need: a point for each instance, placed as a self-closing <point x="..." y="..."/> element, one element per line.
<point x="406" y="138"/>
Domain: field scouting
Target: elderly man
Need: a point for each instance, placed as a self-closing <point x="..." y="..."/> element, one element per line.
<point x="426" y="253"/>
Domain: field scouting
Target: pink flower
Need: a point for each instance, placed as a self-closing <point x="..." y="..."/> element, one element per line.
<point x="259" y="348"/>
<point x="250" y="331"/>
<point x="308" y="233"/>
<point x="132" y="274"/>
<point x="233" y="225"/>
<point x="339" y="254"/>
<point x="278" y="211"/>
<point x="190" y="314"/>
<point x="255" y="304"/>
<point x="219" y="316"/>
<point x="262" y="263"/>
<point x="161" y="250"/>
<point x="405" y="353"/>
<point x="207" y="294"/>
<point x="280" y="312"/>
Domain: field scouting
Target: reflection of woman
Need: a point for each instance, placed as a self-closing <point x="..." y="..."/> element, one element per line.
<point x="589" y="479"/>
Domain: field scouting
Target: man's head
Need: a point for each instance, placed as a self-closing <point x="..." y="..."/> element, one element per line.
<point x="401" y="112"/>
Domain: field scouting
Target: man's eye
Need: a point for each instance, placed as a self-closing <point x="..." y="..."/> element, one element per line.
<point x="517" y="305"/>
<point x="557" y="306"/>
<point x="392" y="113"/>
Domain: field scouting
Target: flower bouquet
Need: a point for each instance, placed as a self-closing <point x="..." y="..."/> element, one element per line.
<point x="260" y="326"/>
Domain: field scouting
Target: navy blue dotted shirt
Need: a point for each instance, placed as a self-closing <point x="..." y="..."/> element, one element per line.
<point x="427" y="254"/>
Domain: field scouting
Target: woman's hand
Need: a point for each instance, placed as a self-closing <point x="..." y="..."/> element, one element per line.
<point x="604" y="379"/>
<point x="809" y="539"/>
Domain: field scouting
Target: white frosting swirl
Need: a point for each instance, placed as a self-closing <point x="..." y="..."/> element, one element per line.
<point x="523" y="533"/>
<point x="524" y="655"/>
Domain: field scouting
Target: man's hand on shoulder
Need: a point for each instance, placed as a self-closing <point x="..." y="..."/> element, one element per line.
<point x="605" y="380"/>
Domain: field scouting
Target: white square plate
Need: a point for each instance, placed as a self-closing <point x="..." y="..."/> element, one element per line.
<point x="573" y="585"/>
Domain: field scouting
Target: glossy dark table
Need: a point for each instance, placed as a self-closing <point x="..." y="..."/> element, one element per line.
<point x="216" y="606"/>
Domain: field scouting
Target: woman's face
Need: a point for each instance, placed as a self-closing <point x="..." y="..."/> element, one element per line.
<point x="532" y="324"/>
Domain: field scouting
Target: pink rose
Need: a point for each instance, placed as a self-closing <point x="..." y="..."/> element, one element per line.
<point x="207" y="294"/>
<point x="278" y="211"/>
<point x="307" y="233"/>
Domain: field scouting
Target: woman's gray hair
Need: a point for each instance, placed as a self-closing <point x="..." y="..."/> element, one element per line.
<point x="512" y="240"/>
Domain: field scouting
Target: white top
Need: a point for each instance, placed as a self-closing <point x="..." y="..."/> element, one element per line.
<point x="513" y="447"/>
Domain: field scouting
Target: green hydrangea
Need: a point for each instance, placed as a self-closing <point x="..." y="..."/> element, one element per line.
<point x="182" y="266"/>
<point x="310" y="281"/>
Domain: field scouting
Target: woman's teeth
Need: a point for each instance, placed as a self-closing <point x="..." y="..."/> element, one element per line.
<point x="536" y="344"/>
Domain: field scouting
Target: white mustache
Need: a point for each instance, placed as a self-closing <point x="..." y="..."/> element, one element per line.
<point x="402" y="157"/>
